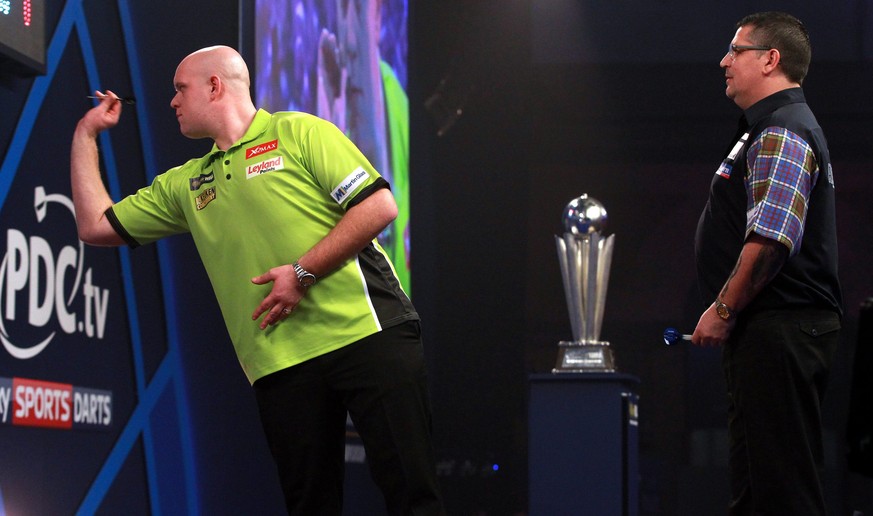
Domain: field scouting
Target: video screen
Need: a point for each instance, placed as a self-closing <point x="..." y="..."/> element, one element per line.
<point x="22" y="34"/>
<point x="344" y="61"/>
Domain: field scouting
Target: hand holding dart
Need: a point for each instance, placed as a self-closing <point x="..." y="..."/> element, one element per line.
<point x="672" y="336"/>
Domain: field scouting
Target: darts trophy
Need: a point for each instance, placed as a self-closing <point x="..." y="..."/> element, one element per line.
<point x="585" y="257"/>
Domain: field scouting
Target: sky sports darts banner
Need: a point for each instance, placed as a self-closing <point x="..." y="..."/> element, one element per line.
<point x="26" y="402"/>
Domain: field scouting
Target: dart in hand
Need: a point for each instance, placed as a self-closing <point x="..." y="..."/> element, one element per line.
<point x="672" y="336"/>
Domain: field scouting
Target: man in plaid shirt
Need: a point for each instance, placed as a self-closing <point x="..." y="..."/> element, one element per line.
<point x="766" y="251"/>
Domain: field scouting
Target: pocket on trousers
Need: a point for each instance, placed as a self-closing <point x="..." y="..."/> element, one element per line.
<point x="821" y="327"/>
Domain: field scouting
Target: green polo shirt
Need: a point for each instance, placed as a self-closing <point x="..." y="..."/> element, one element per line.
<point x="263" y="203"/>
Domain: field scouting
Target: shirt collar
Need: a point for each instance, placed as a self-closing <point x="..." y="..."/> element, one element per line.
<point x="767" y="105"/>
<point x="258" y="126"/>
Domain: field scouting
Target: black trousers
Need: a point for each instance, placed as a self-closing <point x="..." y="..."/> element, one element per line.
<point x="776" y="364"/>
<point x="381" y="382"/>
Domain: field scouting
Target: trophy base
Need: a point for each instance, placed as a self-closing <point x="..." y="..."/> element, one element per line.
<point x="584" y="357"/>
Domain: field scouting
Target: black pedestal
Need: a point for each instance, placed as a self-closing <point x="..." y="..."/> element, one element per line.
<point x="583" y="444"/>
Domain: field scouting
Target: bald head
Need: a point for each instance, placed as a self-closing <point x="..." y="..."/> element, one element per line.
<point x="223" y="62"/>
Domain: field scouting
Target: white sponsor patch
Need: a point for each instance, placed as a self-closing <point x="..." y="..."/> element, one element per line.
<point x="737" y="147"/>
<point x="350" y="184"/>
<point x="265" y="166"/>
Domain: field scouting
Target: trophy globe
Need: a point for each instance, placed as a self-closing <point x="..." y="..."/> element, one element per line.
<point x="584" y="216"/>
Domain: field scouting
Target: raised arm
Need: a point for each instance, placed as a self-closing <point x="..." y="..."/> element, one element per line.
<point x="90" y="197"/>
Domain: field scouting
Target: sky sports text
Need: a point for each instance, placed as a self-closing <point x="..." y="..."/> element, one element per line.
<point x="38" y="403"/>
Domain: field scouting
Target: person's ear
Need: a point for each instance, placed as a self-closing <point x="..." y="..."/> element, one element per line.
<point x="773" y="60"/>
<point x="215" y="83"/>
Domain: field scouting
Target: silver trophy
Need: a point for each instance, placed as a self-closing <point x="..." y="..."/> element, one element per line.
<point x="585" y="257"/>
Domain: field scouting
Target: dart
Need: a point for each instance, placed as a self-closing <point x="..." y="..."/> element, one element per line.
<point x="125" y="100"/>
<point x="672" y="336"/>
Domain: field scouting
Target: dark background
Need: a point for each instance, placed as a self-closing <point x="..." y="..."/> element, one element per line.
<point x="622" y="101"/>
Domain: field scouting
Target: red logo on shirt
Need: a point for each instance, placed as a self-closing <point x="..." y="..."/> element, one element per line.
<point x="259" y="149"/>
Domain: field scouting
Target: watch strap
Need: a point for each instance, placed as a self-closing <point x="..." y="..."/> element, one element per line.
<point x="304" y="277"/>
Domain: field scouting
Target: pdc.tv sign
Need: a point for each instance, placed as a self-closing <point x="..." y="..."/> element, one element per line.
<point x="51" y="286"/>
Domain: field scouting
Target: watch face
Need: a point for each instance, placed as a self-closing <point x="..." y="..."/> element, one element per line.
<point x="722" y="310"/>
<point x="304" y="277"/>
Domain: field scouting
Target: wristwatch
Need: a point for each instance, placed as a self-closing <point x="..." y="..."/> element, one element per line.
<point x="304" y="277"/>
<point x="723" y="310"/>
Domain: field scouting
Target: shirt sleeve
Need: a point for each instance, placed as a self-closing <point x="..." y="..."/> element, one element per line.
<point x="149" y="214"/>
<point x="781" y="173"/>
<point x="339" y="167"/>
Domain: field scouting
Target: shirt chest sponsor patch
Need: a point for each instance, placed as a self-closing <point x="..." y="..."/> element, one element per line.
<point x="196" y="182"/>
<point x="205" y="198"/>
<point x="724" y="170"/>
<point x="261" y="148"/>
<point x="268" y="165"/>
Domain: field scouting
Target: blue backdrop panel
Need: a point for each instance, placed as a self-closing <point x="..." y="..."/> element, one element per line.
<point x="90" y="375"/>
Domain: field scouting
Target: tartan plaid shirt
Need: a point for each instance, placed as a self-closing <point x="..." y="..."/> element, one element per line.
<point x="782" y="171"/>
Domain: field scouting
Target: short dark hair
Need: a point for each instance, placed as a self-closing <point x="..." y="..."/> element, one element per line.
<point x="785" y="33"/>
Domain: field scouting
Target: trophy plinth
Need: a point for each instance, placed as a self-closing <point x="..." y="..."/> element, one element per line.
<point x="585" y="257"/>
<point x="584" y="357"/>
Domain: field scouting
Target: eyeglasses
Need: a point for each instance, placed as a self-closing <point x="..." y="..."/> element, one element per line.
<point x="733" y="50"/>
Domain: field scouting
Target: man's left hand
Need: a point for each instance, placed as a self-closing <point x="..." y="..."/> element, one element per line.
<point x="282" y="299"/>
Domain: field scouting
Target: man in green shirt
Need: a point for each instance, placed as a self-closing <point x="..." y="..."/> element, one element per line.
<point x="285" y="211"/>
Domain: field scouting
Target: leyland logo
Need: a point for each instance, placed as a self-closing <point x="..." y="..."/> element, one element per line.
<point x="42" y="284"/>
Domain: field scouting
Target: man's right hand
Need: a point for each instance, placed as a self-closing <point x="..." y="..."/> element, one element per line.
<point x="104" y="115"/>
